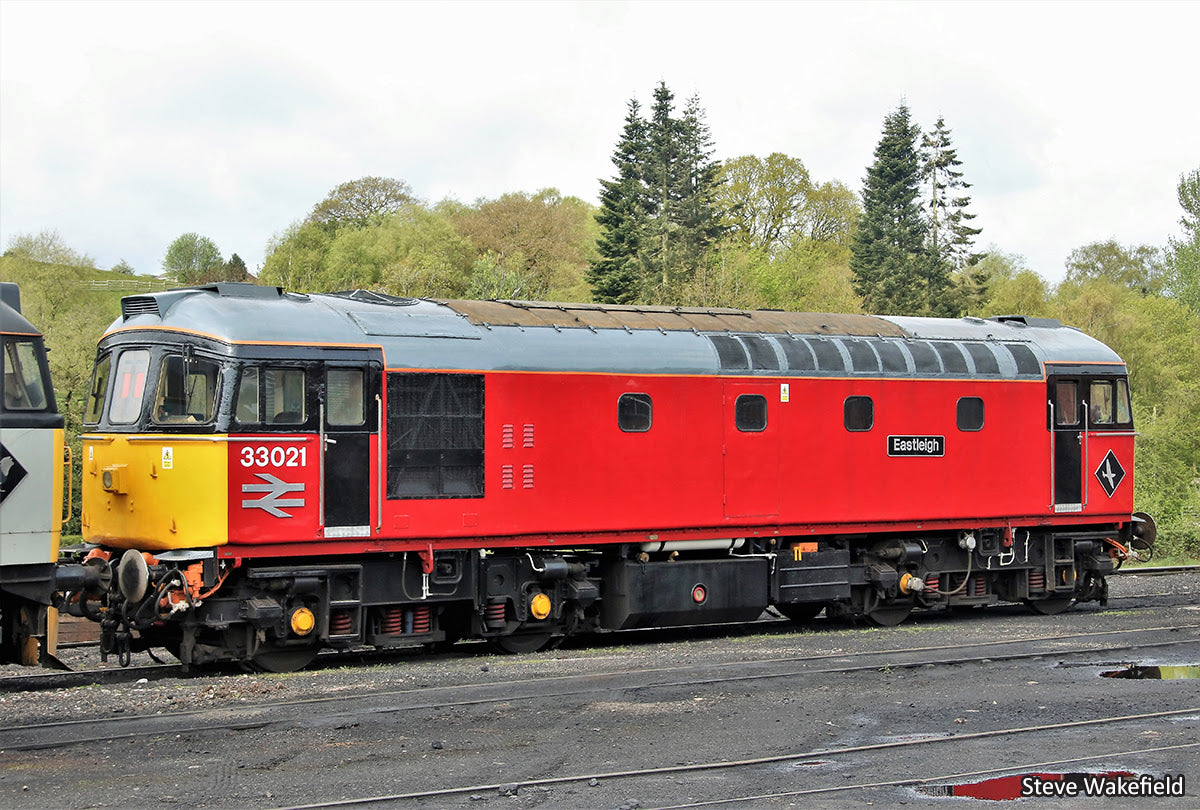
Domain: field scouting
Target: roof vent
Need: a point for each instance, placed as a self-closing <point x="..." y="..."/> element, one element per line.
<point x="132" y="305"/>
<point x="369" y="297"/>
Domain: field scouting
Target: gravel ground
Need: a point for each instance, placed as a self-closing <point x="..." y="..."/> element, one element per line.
<point x="322" y="758"/>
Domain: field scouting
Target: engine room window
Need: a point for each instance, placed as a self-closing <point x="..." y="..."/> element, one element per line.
<point x="750" y="413"/>
<point x="97" y="390"/>
<point x="1100" y="403"/>
<point x="345" y="397"/>
<point x="130" y="385"/>
<point x="24" y="389"/>
<point x="635" y="413"/>
<point x="187" y="391"/>
<point x="859" y="413"/>
<point x="1066" y="403"/>
<point x="435" y="435"/>
<point x="970" y="414"/>
<point x="283" y="396"/>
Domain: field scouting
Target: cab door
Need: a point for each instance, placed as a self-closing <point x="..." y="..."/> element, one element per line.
<point x="349" y="430"/>
<point x="1067" y="427"/>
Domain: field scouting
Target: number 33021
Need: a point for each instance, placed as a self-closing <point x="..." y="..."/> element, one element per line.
<point x="274" y="456"/>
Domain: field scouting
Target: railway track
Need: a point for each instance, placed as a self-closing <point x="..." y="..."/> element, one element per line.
<point x="41" y="680"/>
<point x="510" y="788"/>
<point x="66" y="733"/>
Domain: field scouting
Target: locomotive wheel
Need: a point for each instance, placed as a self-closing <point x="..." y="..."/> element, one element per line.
<point x="801" y="613"/>
<point x="287" y="659"/>
<point x="1051" y="607"/>
<point x="519" y="643"/>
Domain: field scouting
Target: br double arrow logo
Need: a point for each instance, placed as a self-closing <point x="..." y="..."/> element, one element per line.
<point x="273" y="501"/>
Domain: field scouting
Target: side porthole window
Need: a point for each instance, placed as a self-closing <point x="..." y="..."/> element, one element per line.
<point x="750" y="413"/>
<point x="635" y="413"/>
<point x="859" y="413"/>
<point x="970" y="414"/>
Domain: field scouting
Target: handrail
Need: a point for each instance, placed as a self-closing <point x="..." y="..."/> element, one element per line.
<point x="69" y="465"/>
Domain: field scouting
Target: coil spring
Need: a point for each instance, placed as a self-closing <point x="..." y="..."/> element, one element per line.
<point x="932" y="582"/>
<point x="391" y="621"/>
<point x="340" y="623"/>
<point x="495" y="613"/>
<point x="422" y="620"/>
<point x="980" y="586"/>
<point x="1037" y="580"/>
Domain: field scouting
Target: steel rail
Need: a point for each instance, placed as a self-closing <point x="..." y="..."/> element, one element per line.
<point x="252" y="716"/>
<point x="754" y="762"/>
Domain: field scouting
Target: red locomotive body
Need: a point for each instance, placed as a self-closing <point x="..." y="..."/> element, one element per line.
<point x="310" y="471"/>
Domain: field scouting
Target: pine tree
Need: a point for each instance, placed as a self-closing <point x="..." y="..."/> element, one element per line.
<point x="951" y="235"/>
<point x="659" y="216"/>
<point x="616" y="275"/>
<point x="889" y="260"/>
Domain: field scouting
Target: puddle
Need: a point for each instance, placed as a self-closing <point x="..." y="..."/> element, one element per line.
<point x="1023" y="786"/>
<point x="1159" y="673"/>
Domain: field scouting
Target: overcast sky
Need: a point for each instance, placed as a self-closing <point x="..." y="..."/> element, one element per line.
<point x="124" y="125"/>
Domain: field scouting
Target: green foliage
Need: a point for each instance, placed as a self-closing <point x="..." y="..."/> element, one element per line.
<point x="124" y="268"/>
<point x="1183" y="256"/>
<point x="544" y="240"/>
<point x="660" y="216"/>
<point x="893" y="270"/>
<point x="765" y="201"/>
<point x="47" y="246"/>
<point x="191" y="258"/>
<point x="359" y="203"/>
<point x="951" y="235"/>
<point x="1138" y="267"/>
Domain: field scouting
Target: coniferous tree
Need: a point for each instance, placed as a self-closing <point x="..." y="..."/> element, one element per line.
<point x="616" y="275"/>
<point x="699" y="211"/>
<point x="659" y="216"/>
<point x="889" y="259"/>
<point x="951" y="235"/>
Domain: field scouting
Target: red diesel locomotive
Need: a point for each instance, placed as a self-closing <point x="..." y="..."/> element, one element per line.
<point x="266" y="474"/>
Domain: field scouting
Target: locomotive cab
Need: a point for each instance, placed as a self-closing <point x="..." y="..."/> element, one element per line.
<point x="32" y="460"/>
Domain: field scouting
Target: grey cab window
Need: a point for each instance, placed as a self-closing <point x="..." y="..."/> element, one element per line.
<point x="24" y="388"/>
<point x="1066" y="403"/>
<point x="1108" y="403"/>
<point x="271" y="396"/>
<point x="97" y="391"/>
<point x="750" y="413"/>
<point x="635" y="413"/>
<point x="858" y="414"/>
<point x="129" y="386"/>
<point x="187" y="391"/>
<point x="345" y="407"/>
<point x="969" y="414"/>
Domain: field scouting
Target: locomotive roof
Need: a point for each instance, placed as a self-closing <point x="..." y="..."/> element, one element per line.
<point x="536" y="336"/>
<point x="12" y="322"/>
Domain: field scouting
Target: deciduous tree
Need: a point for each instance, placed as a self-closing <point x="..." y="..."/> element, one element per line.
<point x="47" y="246"/>
<point x="359" y="202"/>
<point x="190" y="258"/>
